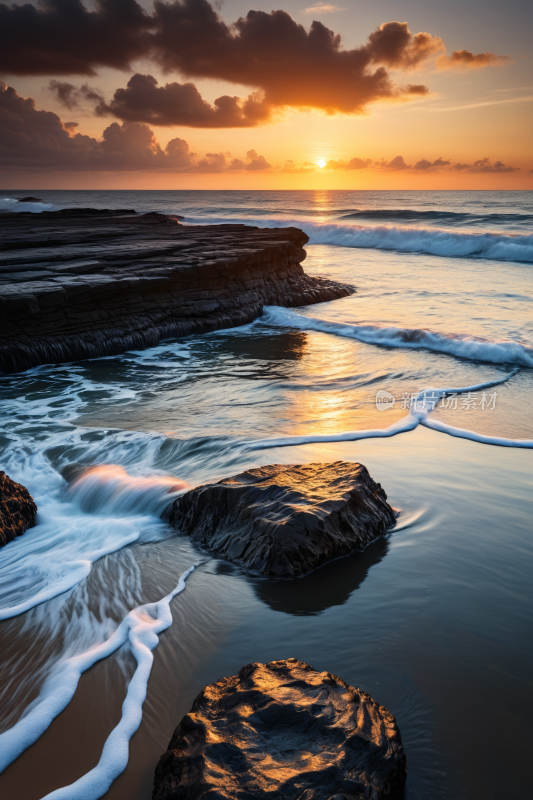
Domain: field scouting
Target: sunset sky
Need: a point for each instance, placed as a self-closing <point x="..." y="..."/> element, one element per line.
<point x="401" y="95"/>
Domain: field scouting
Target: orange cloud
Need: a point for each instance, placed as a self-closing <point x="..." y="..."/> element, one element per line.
<point x="322" y="8"/>
<point x="464" y="59"/>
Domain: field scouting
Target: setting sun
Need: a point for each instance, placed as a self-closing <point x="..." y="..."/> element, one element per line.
<point x="321" y="163"/>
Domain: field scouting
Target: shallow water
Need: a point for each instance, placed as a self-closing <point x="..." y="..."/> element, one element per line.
<point x="434" y="620"/>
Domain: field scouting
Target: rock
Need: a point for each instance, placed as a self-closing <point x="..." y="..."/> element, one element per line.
<point x="30" y="199"/>
<point x="284" y="521"/>
<point x="81" y="283"/>
<point x="17" y="509"/>
<point x="283" y="731"/>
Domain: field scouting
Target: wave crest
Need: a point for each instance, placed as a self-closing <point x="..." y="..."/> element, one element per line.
<point x="460" y="345"/>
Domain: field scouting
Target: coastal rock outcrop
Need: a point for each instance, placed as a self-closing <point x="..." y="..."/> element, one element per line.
<point x="285" y="521"/>
<point x="86" y="283"/>
<point x="283" y="731"/>
<point x="17" y="509"/>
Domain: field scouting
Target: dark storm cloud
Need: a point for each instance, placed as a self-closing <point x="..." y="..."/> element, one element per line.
<point x="62" y="37"/>
<point x="181" y="104"/>
<point x="31" y="139"/>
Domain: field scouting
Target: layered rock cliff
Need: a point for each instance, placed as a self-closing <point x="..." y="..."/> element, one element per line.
<point x="84" y="283"/>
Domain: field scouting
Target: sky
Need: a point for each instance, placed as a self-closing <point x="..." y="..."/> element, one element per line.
<point x="393" y="94"/>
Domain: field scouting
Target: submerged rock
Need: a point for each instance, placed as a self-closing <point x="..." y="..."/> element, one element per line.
<point x="285" y="521"/>
<point x="17" y="509"/>
<point x="281" y="731"/>
<point x="30" y="199"/>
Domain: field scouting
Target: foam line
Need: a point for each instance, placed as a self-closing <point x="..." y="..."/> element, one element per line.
<point x="463" y="433"/>
<point x="417" y="414"/>
<point x="407" y="423"/>
<point x="140" y="627"/>
<point x="459" y="345"/>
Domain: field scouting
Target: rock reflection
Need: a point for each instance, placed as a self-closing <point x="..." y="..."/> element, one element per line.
<point x="259" y="346"/>
<point x="331" y="585"/>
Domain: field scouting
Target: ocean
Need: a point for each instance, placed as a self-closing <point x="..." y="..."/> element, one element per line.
<point x="433" y="620"/>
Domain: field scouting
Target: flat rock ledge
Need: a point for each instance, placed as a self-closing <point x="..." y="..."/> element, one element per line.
<point x="87" y="283"/>
<point x="285" y="521"/>
<point x="283" y="731"/>
<point x="17" y="509"/>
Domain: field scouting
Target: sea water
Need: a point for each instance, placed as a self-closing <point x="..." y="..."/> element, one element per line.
<point x="434" y="620"/>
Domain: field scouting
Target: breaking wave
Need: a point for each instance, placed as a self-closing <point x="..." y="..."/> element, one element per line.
<point x="453" y="217"/>
<point x="450" y="244"/>
<point x="460" y="345"/>
<point x="12" y="204"/>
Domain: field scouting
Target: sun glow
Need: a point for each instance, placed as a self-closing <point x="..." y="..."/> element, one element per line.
<point x="321" y="163"/>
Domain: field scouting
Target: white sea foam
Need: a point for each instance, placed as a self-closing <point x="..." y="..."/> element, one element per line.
<point x="140" y="629"/>
<point x="459" y="345"/>
<point x="105" y="510"/>
<point x="426" y="240"/>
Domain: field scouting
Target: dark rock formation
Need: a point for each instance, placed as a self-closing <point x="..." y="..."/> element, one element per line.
<point x="81" y="283"/>
<point x="30" y="199"/>
<point x="17" y="509"/>
<point x="282" y="731"/>
<point x="284" y="521"/>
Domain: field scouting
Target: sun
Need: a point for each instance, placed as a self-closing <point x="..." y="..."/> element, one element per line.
<point x="321" y="163"/>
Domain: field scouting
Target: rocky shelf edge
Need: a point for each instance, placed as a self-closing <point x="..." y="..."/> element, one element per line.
<point x="283" y="731"/>
<point x="86" y="283"/>
<point x="17" y="509"/>
<point x="284" y="521"/>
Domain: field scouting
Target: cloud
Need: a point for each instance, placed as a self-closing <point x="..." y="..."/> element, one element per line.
<point x="285" y="64"/>
<point x="354" y="163"/>
<point x="424" y="164"/>
<point x="292" y="66"/>
<point x="270" y="52"/>
<point x="322" y="8"/>
<point x="394" y="45"/>
<point x="181" y="104"/>
<point x="464" y="59"/>
<point x="72" y="96"/>
<point x="256" y="162"/>
<point x="397" y="163"/>
<point x="61" y="37"/>
<point x="485" y="165"/>
<point x="38" y="140"/>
